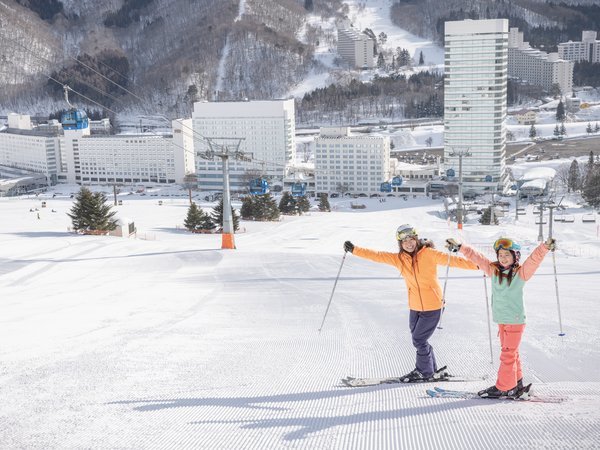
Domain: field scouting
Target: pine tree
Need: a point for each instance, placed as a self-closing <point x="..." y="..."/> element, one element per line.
<point x="563" y="130"/>
<point x="591" y="189"/>
<point x="421" y="59"/>
<point x="308" y="5"/>
<point x="380" y="61"/>
<point x="248" y="207"/>
<point x="217" y="217"/>
<point x="270" y="211"/>
<point x="573" y="180"/>
<point x="287" y="204"/>
<point x="486" y="217"/>
<point x="324" y="203"/>
<point x="91" y="214"/>
<point x="560" y="112"/>
<point x="260" y="207"/>
<point x="556" y="131"/>
<point x="596" y="128"/>
<point x="194" y="218"/>
<point x="532" y="131"/>
<point x="589" y="129"/>
<point x="303" y="204"/>
<point x="197" y="219"/>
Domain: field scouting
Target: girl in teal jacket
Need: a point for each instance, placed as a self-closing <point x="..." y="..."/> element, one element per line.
<point x="508" y="311"/>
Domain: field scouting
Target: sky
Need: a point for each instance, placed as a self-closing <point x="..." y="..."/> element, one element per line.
<point x="163" y="340"/>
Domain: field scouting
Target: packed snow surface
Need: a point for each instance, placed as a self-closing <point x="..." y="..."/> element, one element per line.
<point x="167" y="341"/>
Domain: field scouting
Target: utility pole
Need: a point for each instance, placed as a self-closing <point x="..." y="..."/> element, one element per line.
<point x="541" y="232"/>
<point x="492" y="221"/>
<point x="550" y="208"/>
<point x="459" y="212"/>
<point x="517" y="203"/>
<point x="222" y="151"/>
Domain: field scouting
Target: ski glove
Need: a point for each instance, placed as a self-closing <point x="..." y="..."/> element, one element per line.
<point x="452" y="245"/>
<point x="348" y="246"/>
<point x="550" y="244"/>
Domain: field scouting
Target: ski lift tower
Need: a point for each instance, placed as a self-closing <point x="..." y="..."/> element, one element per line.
<point x="224" y="152"/>
<point x="460" y="153"/>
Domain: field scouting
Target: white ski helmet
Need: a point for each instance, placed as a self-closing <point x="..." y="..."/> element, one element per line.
<point x="405" y="231"/>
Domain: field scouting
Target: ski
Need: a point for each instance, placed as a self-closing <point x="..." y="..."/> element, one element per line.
<point x="359" y="382"/>
<point x="443" y="376"/>
<point x="525" y="395"/>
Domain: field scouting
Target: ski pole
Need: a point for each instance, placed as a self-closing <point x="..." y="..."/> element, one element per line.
<point x="444" y="293"/>
<point x="555" y="276"/>
<point x="332" y="291"/>
<point x="487" y="307"/>
<point x="557" y="298"/>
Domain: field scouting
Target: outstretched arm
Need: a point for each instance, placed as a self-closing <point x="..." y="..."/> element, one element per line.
<point x="454" y="261"/>
<point x="375" y="256"/>
<point x="473" y="255"/>
<point x="534" y="260"/>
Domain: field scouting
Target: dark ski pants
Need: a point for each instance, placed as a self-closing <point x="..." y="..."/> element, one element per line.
<point x="422" y="326"/>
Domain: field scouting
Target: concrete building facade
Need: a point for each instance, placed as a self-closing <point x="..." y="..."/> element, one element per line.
<point x="76" y="156"/>
<point x="475" y="101"/>
<point x="350" y="163"/>
<point x="27" y="148"/>
<point x="264" y="129"/>
<point x="588" y="49"/>
<point x="537" y="67"/>
<point x="356" y="48"/>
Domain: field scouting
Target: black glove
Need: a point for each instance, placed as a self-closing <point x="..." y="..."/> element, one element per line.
<point x="452" y="245"/>
<point x="348" y="246"/>
<point x="550" y="244"/>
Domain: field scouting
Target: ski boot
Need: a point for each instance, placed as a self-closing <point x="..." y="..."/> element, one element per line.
<point x="440" y="374"/>
<point x="413" y="377"/>
<point x="494" y="392"/>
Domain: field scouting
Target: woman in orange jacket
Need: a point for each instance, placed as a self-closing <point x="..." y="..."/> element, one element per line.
<point x="417" y="261"/>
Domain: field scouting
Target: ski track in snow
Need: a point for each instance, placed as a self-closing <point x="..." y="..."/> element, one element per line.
<point x="117" y="343"/>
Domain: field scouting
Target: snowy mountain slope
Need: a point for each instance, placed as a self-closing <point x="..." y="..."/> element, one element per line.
<point x="171" y="342"/>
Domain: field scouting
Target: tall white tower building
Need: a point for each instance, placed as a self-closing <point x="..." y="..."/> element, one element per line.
<point x="475" y="95"/>
<point x="356" y="48"/>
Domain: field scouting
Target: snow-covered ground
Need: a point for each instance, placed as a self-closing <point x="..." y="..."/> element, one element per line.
<point x="167" y="341"/>
<point x="373" y="14"/>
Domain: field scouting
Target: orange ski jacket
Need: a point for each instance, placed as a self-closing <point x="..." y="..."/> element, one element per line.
<point x="424" y="291"/>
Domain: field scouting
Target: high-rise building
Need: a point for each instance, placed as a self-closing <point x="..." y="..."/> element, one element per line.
<point x="346" y="163"/>
<point x="588" y="49"/>
<point x="475" y="94"/>
<point x="537" y="67"/>
<point x="356" y="48"/>
<point x="264" y="129"/>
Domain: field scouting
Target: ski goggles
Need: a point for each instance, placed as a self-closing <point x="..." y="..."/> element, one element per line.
<point x="406" y="233"/>
<point x="506" y="244"/>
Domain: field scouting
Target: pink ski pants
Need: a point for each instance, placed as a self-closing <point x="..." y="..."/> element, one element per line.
<point x="510" y="364"/>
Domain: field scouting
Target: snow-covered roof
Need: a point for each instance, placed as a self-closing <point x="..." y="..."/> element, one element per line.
<point x="546" y="173"/>
<point x="538" y="183"/>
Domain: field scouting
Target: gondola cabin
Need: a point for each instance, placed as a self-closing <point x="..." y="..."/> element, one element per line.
<point x="385" y="187"/>
<point x="74" y="119"/>
<point x="259" y="186"/>
<point x="397" y="181"/>
<point x="298" y="189"/>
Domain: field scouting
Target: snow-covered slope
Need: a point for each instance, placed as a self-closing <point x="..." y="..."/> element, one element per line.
<point x="166" y="341"/>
